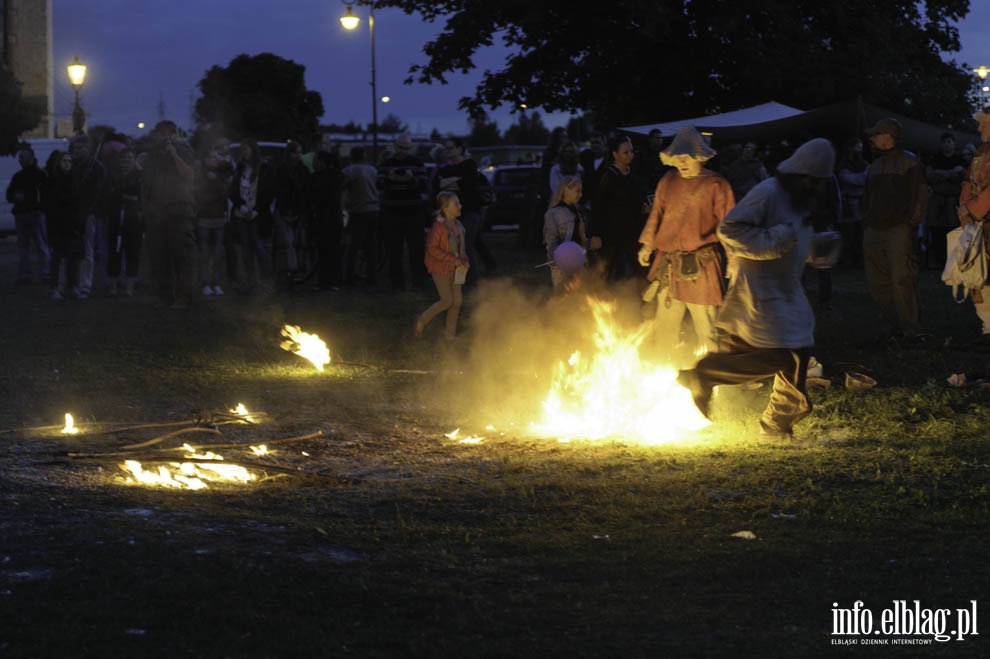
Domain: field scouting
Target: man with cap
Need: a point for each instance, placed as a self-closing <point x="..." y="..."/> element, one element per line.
<point x="766" y="320"/>
<point x="974" y="206"/>
<point x="405" y="213"/>
<point x="895" y="199"/>
<point x="688" y="204"/>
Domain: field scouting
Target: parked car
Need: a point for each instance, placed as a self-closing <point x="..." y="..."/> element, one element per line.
<point x="9" y="166"/>
<point x="517" y="196"/>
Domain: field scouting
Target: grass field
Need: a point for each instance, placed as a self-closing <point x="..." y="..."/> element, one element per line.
<point x="381" y="536"/>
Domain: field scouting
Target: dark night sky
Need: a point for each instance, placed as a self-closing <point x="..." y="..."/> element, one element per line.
<point x="141" y="53"/>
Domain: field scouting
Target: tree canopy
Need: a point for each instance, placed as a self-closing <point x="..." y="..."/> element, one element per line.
<point x="262" y="96"/>
<point x="17" y="114"/>
<point x="641" y="61"/>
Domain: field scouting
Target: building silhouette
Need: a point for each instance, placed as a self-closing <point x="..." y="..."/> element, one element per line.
<point x="27" y="53"/>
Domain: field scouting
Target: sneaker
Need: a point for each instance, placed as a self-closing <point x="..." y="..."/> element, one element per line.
<point x="129" y="288"/>
<point x="217" y="290"/>
<point x="701" y="395"/>
<point x="207" y="290"/>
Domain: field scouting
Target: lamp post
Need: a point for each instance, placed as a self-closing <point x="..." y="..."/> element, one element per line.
<point x="351" y="22"/>
<point x="77" y="75"/>
<point x="981" y="73"/>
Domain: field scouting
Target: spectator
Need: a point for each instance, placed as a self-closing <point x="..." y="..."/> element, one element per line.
<point x="945" y="172"/>
<point x="212" y="193"/>
<point x="592" y="160"/>
<point x="327" y="227"/>
<point x="766" y="318"/>
<point x="89" y="178"/>
<point x="568" y="164"/>
<point x="648" y="168"/>
<point x="125" y="223"/>
<point x="446" y="260"/>
<point x="688" y="205"/>
<point x="361" y="198"/>
<point x="404" y="213"/>
<point x="24" y="192"/>
<point x="460" y="174"/>
<point x="168" y="203"/>
<point x="563" y="222"/>
<point x="894" y="202"/>
<point x="65" y="225"/>
<point x="746" y="171"/>
<point x="250" y="195"/>
<point x="974" y="206"/>
<point x="851" y="174"/>
<point x="617" y="215"/>
<point x="290" y="186"/>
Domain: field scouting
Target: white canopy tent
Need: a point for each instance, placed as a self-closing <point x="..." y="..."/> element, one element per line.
<point x="757" y="114"/>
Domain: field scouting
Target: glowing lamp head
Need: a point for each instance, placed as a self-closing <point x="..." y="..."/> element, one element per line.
<point x="982" y="72"/>
<point x="349" y="20"/>
<point x="77" y="72"/>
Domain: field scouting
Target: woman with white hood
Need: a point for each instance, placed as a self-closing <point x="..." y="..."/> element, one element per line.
<point x="766" y="319"/>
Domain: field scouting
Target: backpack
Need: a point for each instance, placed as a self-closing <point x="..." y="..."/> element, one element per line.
<point x="966" y="265"/>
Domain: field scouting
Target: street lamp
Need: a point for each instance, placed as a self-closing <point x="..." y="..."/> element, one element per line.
<point x="77" y="75"/>
<point x="982" y="75"/>
<point x="351" y="22"/>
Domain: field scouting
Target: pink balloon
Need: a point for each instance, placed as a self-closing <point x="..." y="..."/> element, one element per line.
<point x="569" y="256"/>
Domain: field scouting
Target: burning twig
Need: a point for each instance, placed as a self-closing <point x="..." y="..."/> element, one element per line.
<point x="165" y="453"/>
<point x="158" y="440"/>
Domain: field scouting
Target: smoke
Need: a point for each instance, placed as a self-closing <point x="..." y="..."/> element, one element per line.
<point x="519" y="336"/>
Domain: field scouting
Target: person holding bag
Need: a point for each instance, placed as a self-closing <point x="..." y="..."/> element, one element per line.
<point x="447" y="262"/>
<point x="974" y="207"/>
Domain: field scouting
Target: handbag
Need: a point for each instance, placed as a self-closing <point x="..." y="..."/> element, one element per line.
<point x="966" y="265"/>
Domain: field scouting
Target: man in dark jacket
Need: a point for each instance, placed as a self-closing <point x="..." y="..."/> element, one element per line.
<point x="24" y="192"/>
<point x="167" y="191"/>
<point x="894" y="202"/>
<point x="405" y="213"/>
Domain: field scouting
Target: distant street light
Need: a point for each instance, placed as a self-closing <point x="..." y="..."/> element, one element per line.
<point x="351" y="22"/>
<point x="981" y="73"/>
<point x="77" y="75"/>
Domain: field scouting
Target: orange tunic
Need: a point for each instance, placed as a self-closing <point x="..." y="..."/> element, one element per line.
<point x="685" y="217"/>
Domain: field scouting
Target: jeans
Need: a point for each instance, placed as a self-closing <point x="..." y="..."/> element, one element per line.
<point x="32" y="232"/>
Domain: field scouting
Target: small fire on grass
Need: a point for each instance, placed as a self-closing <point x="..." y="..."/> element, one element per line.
<point x="70" y="428"/>
<point x="242" y="411"/>
<point x="613" y="393"/>
<point x="306" y="345"/>
<point x="188" y="475"/>
<point x="464" y="440"/>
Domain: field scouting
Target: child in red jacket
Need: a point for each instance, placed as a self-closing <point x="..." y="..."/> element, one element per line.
<point x="447" y="261"/>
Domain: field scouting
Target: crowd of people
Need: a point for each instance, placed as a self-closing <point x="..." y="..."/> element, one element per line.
<point x="722" y="244"/>
<point x="727" y="246"/>
<point x="220" y="219"/>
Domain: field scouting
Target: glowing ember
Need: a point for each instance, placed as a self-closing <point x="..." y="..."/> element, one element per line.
<point x="259" y="450"/>
<point x="306" y="345"/>
<point x="612" y="393"/>
<point x="69" y="428"/>
<point x="241" y="410"/>
<point x="452" y="434"/>
<point x="471" y="440"/>
<point x="190" y="475"/>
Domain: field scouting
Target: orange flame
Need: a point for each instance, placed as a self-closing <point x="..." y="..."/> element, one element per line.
<point x="306" y="345"/>
<point x="614" y="394"/>
<point x="191" y="475"/>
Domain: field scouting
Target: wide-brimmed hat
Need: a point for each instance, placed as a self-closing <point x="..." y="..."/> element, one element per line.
<point x="813" y="158"/>
<point x="888" y="126"/>
<point x="687" y="142"/>
<point x="983" y="115"/>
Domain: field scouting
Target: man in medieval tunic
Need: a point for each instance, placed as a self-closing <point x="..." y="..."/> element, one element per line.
<point x="688" y="204"/>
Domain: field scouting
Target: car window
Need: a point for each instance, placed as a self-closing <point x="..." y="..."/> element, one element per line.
<point x="516" y="176"/>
